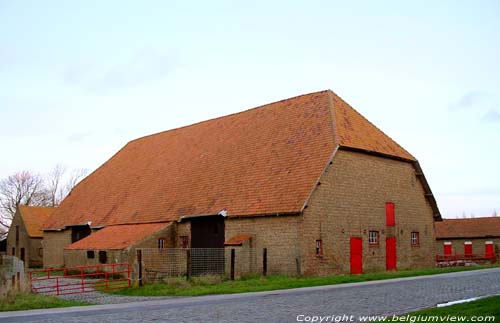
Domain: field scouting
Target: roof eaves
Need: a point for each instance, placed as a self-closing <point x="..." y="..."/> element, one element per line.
<point x="428" y="192"/>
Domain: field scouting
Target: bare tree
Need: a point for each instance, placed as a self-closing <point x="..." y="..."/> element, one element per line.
<point x="26" y="188"/>
<point x="23" y="188"/>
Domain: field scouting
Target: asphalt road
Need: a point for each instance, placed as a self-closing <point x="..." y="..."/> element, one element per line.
<point x="395" y="296"/>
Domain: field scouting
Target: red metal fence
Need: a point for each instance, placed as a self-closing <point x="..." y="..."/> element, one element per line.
<point x="80" y="279"/>
<point x="462" y="259"/>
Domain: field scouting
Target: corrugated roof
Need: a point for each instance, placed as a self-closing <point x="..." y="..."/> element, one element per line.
<point x="468" y="228"/>
<point x="34" y="218"/>
<point x="117" y="237"/>
<point x="261" y="161"/>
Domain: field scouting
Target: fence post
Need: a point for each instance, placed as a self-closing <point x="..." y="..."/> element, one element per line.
<point x="232" y="263"/>
<point x="188" y="264"/>
<point x="264" y="262"/>
<point x="139" y="262"/>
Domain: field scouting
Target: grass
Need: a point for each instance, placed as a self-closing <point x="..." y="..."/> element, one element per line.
<point x="28" y="301"/>
<point x="483" y="307"/>
<point x="216" y="285"/>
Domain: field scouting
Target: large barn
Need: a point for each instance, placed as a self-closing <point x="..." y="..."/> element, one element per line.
<point x="308" y="178"/>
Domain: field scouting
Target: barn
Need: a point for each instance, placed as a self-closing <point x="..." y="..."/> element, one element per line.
<point x="24" y="239"/>
<point x="469" y="238"/>
<point x="308" y="178"/>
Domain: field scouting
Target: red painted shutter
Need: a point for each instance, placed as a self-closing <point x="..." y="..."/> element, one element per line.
<point x="447" y="249"/>
<point x="468" y="249"/>
<point x="489" y="251"/>
<point x="390" y="220"/>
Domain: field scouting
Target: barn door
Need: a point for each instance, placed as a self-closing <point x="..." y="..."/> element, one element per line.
<point x="390" y="253"/>
<point x="468" y="248"/>
<point x="447" y="249"/>
<point x="207" y="241"/>
<point x="356" y="255"/>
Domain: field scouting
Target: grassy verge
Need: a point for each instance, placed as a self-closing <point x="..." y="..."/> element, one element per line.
<point x="215" y="285"/>
<point x="486" y="308"/>
<point x="27" y="301"/>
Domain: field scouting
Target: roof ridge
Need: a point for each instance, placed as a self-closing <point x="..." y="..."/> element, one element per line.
<point x="225" y="116"/>
<point x="331" y="107"/>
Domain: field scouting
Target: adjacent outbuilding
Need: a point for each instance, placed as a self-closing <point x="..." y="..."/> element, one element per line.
<point x="24" y="239"/>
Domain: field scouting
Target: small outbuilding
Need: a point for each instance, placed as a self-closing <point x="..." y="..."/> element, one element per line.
<point x="467" y="237"/>
<point x="24" y="239"/>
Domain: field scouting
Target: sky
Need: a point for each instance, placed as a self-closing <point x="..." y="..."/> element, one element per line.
<point x="79" y="79"/>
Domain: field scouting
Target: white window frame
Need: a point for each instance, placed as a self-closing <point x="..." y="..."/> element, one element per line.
<point x="415" y="238"/>
<point x="373" y="237"/>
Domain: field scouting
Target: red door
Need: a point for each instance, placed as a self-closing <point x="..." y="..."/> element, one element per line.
<point x="447" y="249"/>
<point x="390" y="253"/>
<point x="488" y="250"/>
<point x="356" y="255"/>
<point x="468" y="249"/>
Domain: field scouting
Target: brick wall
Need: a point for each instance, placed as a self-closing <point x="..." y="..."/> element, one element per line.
<point x="31" y="246"/>
<point x="53" y="246"/>
<point x="477" y="245"/>
<point x="350" y="201"/>
<point x="279" y="234"/>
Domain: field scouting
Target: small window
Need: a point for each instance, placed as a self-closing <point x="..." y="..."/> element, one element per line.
<point x="184" y="241"/>
<point x="373" y="237"/>
<point x="161" y="243"/>
<point x="415" y="239"/>
<point x="390" y="220"/>
<point x="17" y="233"/>
<point x="13" y="251"/>
<point x="90" y="254"/>
<point x="319" y="248"/>
<point x="103" y="257"/>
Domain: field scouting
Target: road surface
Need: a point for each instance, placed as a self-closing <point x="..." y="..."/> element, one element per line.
<point x="395" y="296"/>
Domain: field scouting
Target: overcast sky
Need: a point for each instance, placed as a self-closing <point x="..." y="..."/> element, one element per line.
<point x="79" y="79"/>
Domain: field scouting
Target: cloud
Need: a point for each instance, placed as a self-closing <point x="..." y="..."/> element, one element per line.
<point x="475" y="100"/>
<point x="491" y="116"/>
<point x="147" y="66"/>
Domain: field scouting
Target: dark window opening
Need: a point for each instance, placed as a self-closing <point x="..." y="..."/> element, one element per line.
<point x="161" y="243"/>
<point x="79" y="232"/>
<point x="17" y="233"/>
<point x="13" y="251"/>
<point x="319" y="247"/>
<point x="103" y="257"/>
<point x="90" y="254"/>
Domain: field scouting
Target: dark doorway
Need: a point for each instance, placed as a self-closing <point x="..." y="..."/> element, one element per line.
<point x="207" y="243"/>
<point x="22" y="256"/>
<point x="79" y="232"/>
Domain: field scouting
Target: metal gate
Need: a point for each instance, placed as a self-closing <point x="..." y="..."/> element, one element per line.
<point x="80" y="279"/>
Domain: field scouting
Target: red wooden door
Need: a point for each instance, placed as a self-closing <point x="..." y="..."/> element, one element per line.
<point x="356" y="255"/>
<point x="489" y="250"/>
<point x="390" y="253"/>
<point x="468" y="249"/>
<point x="447" y="249"/>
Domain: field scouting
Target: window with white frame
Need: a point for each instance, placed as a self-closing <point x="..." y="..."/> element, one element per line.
<point x="373" y="237"/>
<point x="415" y="238"/>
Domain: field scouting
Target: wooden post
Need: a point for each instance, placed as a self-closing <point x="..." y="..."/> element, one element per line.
<point x="139" y="262"/>
<point x="264" y="262"/>
<point x="188" y="264"/>
<point x="233" y="255"/>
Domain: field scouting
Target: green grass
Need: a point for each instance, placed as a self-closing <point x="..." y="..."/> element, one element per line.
<point x="215" y="285"/>
<point x="484" y="307"/>
<point x="27" y="301"/>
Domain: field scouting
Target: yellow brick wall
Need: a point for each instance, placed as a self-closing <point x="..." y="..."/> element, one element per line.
<point x="350" y="201"/>
<point x="477" y="246"/>
<point x="53" y="246"/>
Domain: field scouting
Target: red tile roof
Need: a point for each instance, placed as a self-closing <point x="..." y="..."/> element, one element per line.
<point x="34" y="218"/>
<point x="117" y="237"/>
<point x="261" y="161"/>
<point x="238" y="240"/>
<point x="468" y="228"/>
